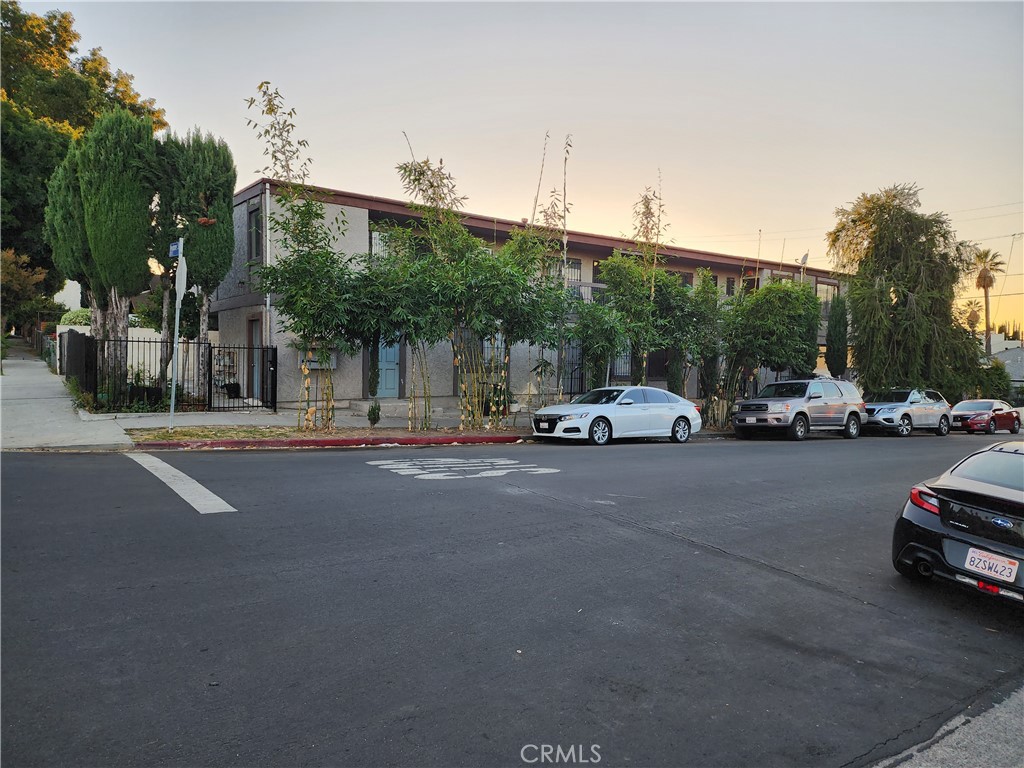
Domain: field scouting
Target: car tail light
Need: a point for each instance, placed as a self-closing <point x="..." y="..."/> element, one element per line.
<point x="696" y="408"/>
<point x="923" y="498"/>
<point x="991" y="588"/>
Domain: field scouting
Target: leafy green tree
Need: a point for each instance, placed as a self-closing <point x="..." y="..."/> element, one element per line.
<point x="902" y="268"/>
<point x="674" y="308"/>
<point x="708" y="313"/>
<point x="989" y="264"/>
<point x="65" y="233"/>
<point x="836" y="338"/>
<point x="598" y="330"/>
<point x="783" y="328"/>
<point x="41" y="73"/>
<point x="629" y="286"/>
<point x="18" y="281"/>
<point x="202" y="177"/>
<point x="31" y="149"/>
<point x="49" y="96"/>
<point x="311" y="280"/>
<point x="115" y="168"/>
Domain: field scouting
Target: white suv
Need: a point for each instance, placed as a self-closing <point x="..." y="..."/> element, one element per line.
<point x="802" y="406"/>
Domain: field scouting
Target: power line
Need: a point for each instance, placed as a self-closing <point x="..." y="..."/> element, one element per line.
<point x="986" y="207"/>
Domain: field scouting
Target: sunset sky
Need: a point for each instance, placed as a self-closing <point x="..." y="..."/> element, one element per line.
<point x="750" y="116"/>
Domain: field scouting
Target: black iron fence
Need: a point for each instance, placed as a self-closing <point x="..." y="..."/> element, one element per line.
<point x="136" y="374"/>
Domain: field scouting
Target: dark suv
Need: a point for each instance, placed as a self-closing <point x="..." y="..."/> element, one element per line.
<point x="802" y="406"/>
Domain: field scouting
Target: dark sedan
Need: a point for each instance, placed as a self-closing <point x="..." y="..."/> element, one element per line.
<point x="985" y="416"/>
<point x="967" y="524"/>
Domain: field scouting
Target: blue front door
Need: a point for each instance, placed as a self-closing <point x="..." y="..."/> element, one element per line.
<point x="388" y="386"/>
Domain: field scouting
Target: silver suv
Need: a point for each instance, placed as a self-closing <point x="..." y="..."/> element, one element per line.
<point x="902" y="410"/>
<point x="802" y="406"/>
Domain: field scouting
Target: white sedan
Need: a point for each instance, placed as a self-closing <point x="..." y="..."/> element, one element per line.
<point x="601" y="414"/>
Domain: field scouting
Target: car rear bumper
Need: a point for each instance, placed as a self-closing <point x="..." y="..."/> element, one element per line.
<point x="921" y="541"/>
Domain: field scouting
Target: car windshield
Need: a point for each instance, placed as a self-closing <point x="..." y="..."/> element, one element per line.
<point x="784" y="389"/>
<point x="598" y="397"/>
<point x="994" y="467"/>
<point x="892" y="396"/>
<point x="973" y="405"/>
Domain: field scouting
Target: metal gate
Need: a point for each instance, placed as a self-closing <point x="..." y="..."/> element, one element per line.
<point x="135" y="374"/>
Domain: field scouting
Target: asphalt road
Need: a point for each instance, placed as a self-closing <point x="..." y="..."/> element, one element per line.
<point x="719" y="603"/>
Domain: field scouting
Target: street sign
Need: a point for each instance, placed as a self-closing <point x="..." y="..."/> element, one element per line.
<point x="175" y="251"/>
<point x="181" y="279"/>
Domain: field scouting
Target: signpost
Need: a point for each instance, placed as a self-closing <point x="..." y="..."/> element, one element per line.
<point x="177" y="252"/>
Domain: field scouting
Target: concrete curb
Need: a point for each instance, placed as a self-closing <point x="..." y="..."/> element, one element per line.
<point x="327" y="442"/>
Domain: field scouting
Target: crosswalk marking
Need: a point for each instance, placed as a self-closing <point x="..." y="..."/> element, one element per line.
<point x="458" y="469"/>
<point x="205" y="501"/>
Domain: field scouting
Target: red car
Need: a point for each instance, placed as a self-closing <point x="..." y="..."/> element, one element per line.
<point x="985" y="416"/>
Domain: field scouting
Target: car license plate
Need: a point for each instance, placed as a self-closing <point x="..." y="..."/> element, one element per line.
<point x="751" y="419"/>
<point x="542" y="425"/>
<point x="995" y="566"/>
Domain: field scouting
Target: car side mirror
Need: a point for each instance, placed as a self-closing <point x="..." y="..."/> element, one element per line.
<point x="627" y="401"/>
<point x="997" y="410"/>
<point x="816" y="396"/>
<point x="915" y="400"/>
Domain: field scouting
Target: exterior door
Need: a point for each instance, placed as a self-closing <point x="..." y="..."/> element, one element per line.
<point x="818" y="407"/>
<point x="255" y="367"/>
<point x="632" y="419"/>
<point x="388" y="360"/>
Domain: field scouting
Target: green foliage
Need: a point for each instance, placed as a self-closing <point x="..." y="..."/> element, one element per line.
<point x="115" y="169"/>
<point x="629" y="291"/>
<point x="49" y="97"/>
<point x="708" y="314"/>
<point x="599" y="331"/>
<point x="993" y="380"/>
<point x="202" y="192"/>
<point x="65" y="226"/>
<point x="41" y="73"/>
<point x="782" y="327"/>
<point x="18" y="281"/>
<point x="902" y="270"/>
<point x="373" y="412"/>
<point x="836" y="340"/>
<point x="76" y="317"/>
<point x="31" y="149"/>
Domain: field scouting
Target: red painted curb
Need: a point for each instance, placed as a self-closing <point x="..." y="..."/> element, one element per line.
<point x="329" y="442"/>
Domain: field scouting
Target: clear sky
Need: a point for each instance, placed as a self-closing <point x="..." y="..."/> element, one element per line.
<point x="756" y="116"/>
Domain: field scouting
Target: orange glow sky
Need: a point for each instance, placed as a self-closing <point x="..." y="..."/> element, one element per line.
<point x="756" y="115"/>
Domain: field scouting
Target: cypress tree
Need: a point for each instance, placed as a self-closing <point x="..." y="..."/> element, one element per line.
<point x="836" y="338"/>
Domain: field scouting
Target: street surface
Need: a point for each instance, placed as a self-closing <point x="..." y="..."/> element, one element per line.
<point x="719" y="603"/>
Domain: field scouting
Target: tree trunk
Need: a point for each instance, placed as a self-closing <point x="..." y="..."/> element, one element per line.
<point x="204" y="340"/>
<point x="988" y="328"/>
<point x="166" y="343"/>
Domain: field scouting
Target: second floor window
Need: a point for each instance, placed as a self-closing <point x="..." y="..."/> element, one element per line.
<point x="730" y="286"/>
<point x="574" y="270"/>
<point x="254" y="249"/>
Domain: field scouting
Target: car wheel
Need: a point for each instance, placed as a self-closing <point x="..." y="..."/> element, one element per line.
<point x="681" y="430"/>
<point x="905" y="426"/>
<point x="852" y="429"/>
<point x="943" y="429"/>
<point x="743" y="434"/>
<point x="991" y="429"/>
<point x="1016" y="427"/>
<point x="798" y="429"/>
<point x="600" y="431"/>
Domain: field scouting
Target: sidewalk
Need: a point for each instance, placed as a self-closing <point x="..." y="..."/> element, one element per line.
<point x="38" y="413"/>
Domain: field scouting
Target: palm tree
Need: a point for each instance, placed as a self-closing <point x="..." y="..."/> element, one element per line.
<point x="973" y="309"/>
<point x="989" y="263"/>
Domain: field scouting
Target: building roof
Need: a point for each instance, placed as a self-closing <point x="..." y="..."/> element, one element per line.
<point x="1013" y="359"/>
<point x="490" y="227"/>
